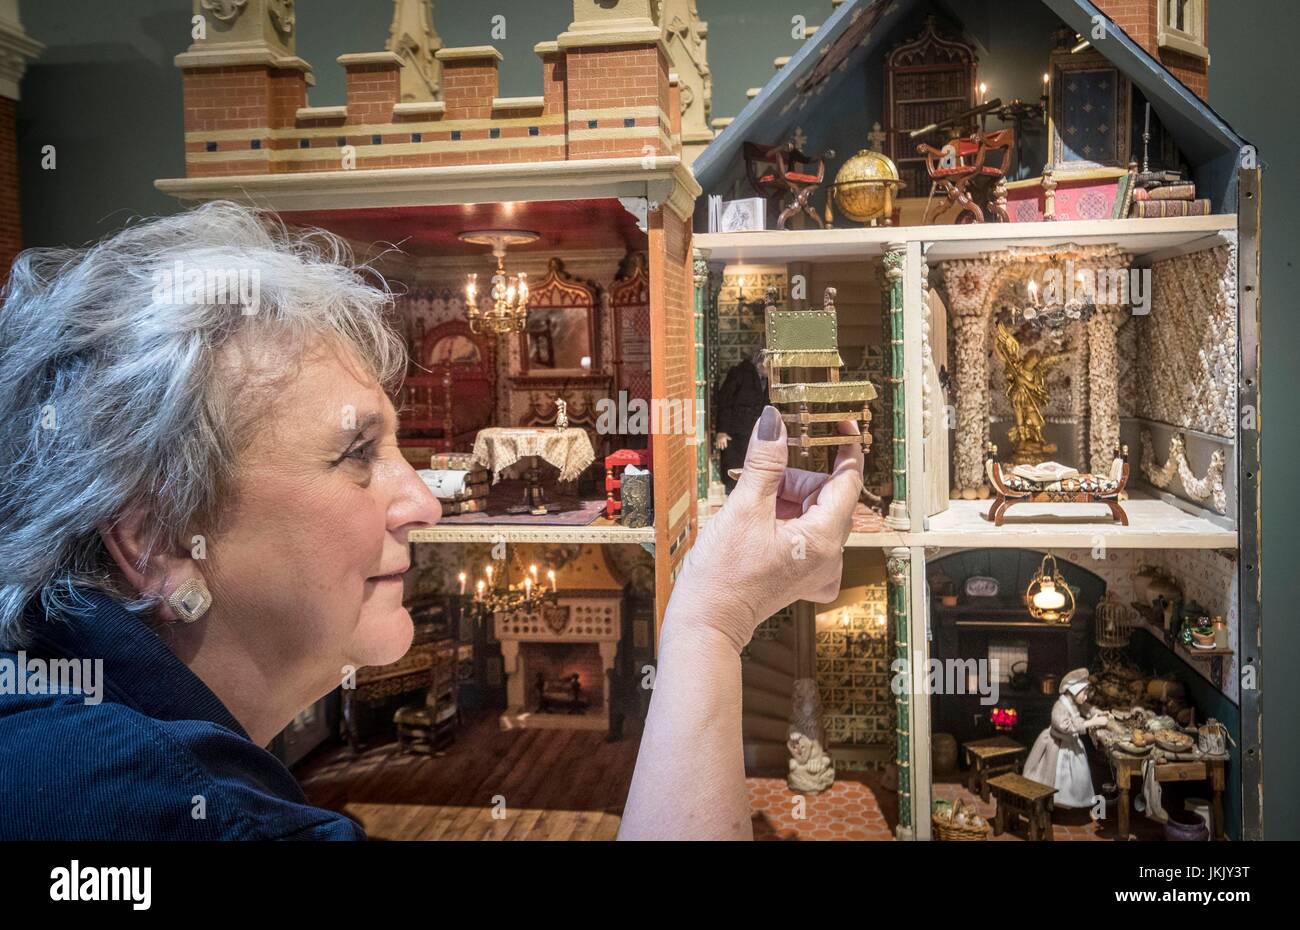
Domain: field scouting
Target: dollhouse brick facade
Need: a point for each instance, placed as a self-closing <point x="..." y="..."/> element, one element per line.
<point x="1175" y="32"/>
<point x="605" y="94"/>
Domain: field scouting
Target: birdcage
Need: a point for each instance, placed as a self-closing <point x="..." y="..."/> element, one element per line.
<point x="1113" y="621"/>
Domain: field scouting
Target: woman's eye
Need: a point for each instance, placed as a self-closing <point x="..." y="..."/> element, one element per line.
<point x="364" y="452"/>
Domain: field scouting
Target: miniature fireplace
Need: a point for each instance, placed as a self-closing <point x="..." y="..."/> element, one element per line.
<point x="576" y="636"/>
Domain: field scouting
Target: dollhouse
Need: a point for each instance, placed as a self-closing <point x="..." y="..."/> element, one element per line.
<point x="1042" y="247"/>
<point x="1119" y="417"/>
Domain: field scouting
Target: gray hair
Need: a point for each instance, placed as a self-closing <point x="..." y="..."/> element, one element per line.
<point x="112" y="396"/>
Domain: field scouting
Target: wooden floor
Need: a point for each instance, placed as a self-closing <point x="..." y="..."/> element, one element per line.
<point x="541" y="785"/>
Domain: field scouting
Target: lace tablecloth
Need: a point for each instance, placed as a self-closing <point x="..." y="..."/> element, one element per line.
<point x="498" y="447"/>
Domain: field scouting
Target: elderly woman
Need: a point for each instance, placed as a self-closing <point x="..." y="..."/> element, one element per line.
<point x="203" y="511"/>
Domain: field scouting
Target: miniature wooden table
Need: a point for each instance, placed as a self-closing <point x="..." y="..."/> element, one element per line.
<point x="1127" y="767"/>
<point x="988" y="757"/>
<point x="1018" y="797"/>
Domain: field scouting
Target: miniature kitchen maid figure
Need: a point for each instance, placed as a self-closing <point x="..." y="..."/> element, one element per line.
<point x="1058" y="756"/>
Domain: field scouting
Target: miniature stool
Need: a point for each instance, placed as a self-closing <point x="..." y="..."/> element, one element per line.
<point x="1018" y="797"/>
<point x="989" y="757"/>
<point x="620" y="460"/>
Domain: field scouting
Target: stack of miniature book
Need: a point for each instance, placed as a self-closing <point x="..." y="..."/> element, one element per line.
<point x="459" y="483"/>
<point x="1175" y="199"/>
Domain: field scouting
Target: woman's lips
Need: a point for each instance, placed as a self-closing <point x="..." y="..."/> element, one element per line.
<point x="396" y="576"/>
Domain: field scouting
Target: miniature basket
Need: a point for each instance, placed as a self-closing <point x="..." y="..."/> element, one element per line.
<point x="945" y="829"/>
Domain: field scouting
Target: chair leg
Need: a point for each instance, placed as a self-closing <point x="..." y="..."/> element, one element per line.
<point x="805" y="196"/>
<point x="1117" y="512"/>
<point x="787" y="213"/>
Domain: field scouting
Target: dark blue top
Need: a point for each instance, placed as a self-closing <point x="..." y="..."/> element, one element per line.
<point x="159" y="758"/>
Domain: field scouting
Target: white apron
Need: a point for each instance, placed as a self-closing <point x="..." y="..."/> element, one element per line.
<point x="1058" y="757"/>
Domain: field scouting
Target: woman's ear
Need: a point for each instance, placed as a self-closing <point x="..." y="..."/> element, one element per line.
<point x="164" y="570"/>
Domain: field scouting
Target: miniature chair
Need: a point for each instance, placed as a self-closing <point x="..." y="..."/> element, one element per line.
<point x="774" y="170"/>
<point x="959" y="170"/>
<point x="808" y="339"/>
<point x="620" y="460"/>
<point x="1079" y="489"/>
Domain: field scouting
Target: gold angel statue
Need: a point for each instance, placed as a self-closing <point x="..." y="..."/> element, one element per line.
<point x="1027" y="391"/>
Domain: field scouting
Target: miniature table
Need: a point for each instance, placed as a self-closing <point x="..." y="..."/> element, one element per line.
<point x="1017" y="797"/>
<point x="498" y="447"/>
<point x="989" y="757"/>
<point x="1128" y="767"/>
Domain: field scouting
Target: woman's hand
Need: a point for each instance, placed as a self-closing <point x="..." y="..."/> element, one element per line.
<point x="779" y="538"/>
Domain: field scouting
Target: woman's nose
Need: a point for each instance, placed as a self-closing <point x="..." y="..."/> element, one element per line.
<point x="414" y="506"/>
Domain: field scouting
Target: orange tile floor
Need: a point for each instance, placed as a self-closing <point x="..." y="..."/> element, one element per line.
<point x="855" y="807"/>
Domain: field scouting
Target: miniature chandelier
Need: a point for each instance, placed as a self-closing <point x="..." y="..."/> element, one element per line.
<point x="509" y="293"/>
<point x="1061" y="293"/>
<point x="496" y="594"/>
<point x="1049" y="596"/>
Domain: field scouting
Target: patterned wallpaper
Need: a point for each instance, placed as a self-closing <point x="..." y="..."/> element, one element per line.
<point x="857" y="703"/>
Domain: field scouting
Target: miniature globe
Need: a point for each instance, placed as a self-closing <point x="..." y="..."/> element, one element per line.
<point x="865" y="185"/>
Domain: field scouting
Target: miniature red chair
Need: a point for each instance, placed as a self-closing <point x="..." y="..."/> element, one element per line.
<point x="620" y="460"/>
<point x="959" y="170"/>
<point x="774" y="170"/>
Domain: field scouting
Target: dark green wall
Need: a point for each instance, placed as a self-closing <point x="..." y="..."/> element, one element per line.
<point x="107" y="96"/>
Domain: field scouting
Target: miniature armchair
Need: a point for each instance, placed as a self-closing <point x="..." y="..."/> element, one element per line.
<point x="961" y="171"/>
<point x="815" y="399"/>
<point x="783" y="170"/>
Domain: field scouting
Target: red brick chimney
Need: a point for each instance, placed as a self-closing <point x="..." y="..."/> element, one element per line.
<point x="1176" y="32"/>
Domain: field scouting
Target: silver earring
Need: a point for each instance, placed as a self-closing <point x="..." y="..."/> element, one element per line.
<point x="190" y="600"/>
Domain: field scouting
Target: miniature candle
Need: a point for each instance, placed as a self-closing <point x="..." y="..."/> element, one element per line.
<point x="1146" y="125"/>
<point x="532" y="570"/>
<point x="984" y="90"/>
<point x="550" y="576"/>
<point x="461" y="576"/>
<point x="478" y="591"/>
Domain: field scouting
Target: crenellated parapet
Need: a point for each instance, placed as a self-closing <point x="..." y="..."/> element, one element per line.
<point x="607" y="92"/>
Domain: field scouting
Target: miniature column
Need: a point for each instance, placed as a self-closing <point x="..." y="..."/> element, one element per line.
<point x="717" y="493"/>
<point x="893" y="306"/>
<point x="700" y="266"/>
<point x="898" y="567"/>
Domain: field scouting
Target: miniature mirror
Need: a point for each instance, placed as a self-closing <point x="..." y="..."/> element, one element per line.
<point x="559" y="338"/>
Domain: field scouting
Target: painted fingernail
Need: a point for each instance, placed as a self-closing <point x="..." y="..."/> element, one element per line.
<point x="769" y="424"/>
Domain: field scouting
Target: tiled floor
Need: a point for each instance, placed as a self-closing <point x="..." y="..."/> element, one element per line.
<point x="855" y="807"/>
